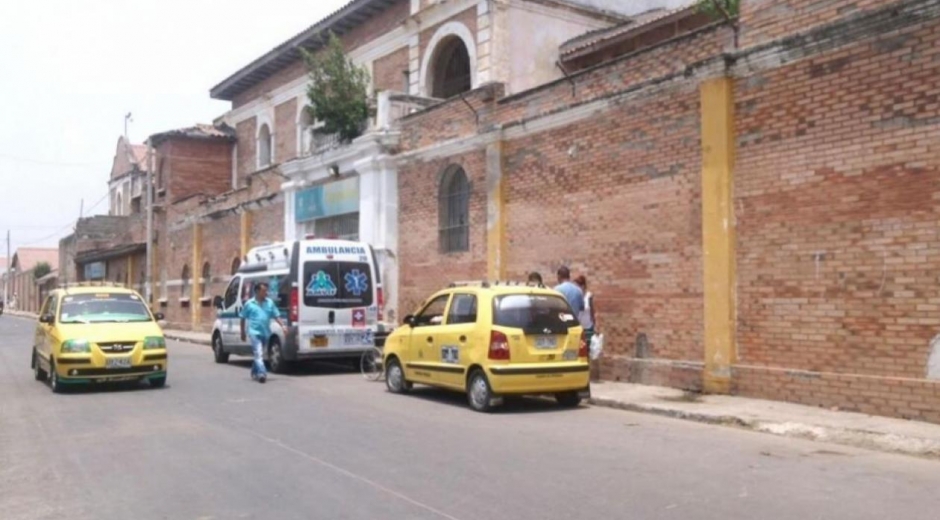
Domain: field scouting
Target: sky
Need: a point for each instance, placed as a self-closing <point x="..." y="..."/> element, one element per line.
<point x="71" y="70"/>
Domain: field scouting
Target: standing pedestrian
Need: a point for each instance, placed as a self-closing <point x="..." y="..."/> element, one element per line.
<point x="258" y="312"/>
<point x="588" y="316"/>
<point x="570" y="291"/>
<point x="535" y="279"/>
<point x="588" y="319"/>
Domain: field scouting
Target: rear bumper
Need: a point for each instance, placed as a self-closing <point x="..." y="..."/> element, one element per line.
<point x="293" y="352"/>
<point x="539" y="378"/>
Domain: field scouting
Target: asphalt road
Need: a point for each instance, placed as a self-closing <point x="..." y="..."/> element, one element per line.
<point x="325" y="444"/>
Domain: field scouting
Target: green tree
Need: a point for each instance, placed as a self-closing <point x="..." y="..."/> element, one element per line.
<point x="41" y="269"/>
<point x="338" y="91"/>
<point x="720" y="9"/>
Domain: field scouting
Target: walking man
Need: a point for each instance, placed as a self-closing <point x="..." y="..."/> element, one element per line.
<point x="570" y="291"/>
<point x="258" y="312"/>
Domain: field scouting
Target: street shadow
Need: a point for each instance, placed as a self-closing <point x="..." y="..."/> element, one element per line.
<point x="304" y="368"/>
<point x="512" y="405"/>
<point x="118" y="387"/>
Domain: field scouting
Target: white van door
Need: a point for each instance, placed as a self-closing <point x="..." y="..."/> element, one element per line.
<point x="339" y="307"/>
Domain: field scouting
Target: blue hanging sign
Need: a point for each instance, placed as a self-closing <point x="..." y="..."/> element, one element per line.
<point x="327" y="200"/>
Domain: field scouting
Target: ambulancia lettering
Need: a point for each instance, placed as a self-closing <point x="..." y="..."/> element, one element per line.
<point x="335" y="250"/>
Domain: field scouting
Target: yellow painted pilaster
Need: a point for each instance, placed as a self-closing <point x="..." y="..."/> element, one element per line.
<point x="718" y="232"/>
<point x="245" y="232"/>
<point x="496" y="239"/>
<point x="195" y="276"/>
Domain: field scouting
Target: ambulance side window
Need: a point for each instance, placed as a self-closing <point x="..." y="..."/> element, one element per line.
<point x="231" y="294"/>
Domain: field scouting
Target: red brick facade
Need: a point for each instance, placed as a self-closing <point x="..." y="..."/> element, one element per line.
<point x="835" y="191"/>
<point x="388" y="72"/>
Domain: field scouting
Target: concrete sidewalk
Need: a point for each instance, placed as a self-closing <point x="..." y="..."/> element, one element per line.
<point x="187" y="336"/>
<point x="777" y="418"/>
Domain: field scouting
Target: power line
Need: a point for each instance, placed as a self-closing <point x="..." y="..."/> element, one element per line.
<point x="59" y="231"/>
<point x="50" y="163"/>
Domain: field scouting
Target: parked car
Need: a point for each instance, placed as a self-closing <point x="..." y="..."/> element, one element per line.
<point x="98" y="334"/>
<point x="489" y="341"/>
<point x="329" y="293"/>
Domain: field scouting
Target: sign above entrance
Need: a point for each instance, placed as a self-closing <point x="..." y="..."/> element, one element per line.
<point x="94" y="271"/>
<point x="327" y="200"/>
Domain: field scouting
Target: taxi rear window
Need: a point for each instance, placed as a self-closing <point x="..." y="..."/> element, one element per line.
<point x="338" y="285"/>
<point x="534" y="313"/>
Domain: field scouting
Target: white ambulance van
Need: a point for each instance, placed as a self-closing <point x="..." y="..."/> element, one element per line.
<point x="329" y="293"/>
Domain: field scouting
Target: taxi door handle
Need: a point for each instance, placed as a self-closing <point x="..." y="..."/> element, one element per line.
<point x="430" y="339"/>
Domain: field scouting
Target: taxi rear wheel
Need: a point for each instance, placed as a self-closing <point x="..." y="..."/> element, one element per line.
<point x="479" y="393"/>
<point x="395" y="378"/>
<point x="568" y="399"/>
<point x="221" y="356"/>
<point x="38" y="372"/>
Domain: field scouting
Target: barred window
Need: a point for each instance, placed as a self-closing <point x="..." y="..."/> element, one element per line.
<point x="206" y="278"/>
<point x="236" y="264"/>
<point x="184" y="286"/>
<point x="265" y="147"/>
<point x="454" y="211"/>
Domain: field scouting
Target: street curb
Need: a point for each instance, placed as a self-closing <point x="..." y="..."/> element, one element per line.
<point x="182" y="339"/>
<point x="877" y="441"/>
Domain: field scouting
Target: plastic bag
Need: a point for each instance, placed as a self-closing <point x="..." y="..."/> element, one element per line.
<point x="597" y="346"/>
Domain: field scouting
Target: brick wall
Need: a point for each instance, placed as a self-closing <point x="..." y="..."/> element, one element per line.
<point x="388" y="71"/>
<point x="285" y="131"/>
<point x="196" y="167"/>
<point x="617" y="198"/>
<point x="247" y="160"/>
<point x="766" y="20"/>
<point x="835" y="195"/>
<point x="423" y="270"/>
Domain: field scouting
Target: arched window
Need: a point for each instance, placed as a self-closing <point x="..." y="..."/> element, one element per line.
<point x="119" y="206"/>
<point x="206" y="279"/>
<point x="264" y="146"/>
<point x="236" y="263"/>
<point x="454" y="211"/>
<point x="184" y="282"/>
<point x="451" y="69"/>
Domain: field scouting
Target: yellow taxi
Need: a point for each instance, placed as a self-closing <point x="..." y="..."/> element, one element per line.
<point x="98" y="334"/>
<point x="489" y="341"/>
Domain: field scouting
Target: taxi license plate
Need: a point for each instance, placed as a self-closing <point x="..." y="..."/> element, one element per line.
<point x="546" y="342"/>
<point x="319" y="342"/>
<point x="118" y="363"/>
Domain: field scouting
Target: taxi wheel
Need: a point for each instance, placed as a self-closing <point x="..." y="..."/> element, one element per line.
<point x="479" y="393"/>
<point x="54" y="382"/>
<point x="276" y="361"/>
<point x="395" y="378"/>
<point x="568" y="399"/>
<point x="38" y="372"/>
<point x="221" y="356"/>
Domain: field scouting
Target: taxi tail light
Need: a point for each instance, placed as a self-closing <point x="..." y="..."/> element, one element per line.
<point x="583" y="349"/>
<point x="294" y="314"/>
<point x="381" y="298"/>
<point x="499" y="346"/>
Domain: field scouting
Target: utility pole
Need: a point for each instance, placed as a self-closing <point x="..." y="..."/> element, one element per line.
<point x="148" y="275"/>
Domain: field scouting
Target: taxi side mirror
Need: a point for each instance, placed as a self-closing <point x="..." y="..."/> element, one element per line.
<point x="159" y="316"/>
<point x="409" y="320"/>
<point x="48" y="319"/>
<point x="217" y="302"/>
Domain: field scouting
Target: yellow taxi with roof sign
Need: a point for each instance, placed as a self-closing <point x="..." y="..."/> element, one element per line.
<point x="98" y="334"/>
<point x="489" y="341"/>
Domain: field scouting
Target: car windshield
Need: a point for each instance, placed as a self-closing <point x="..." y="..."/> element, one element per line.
<point x="103" y="308"/>
<point x="534" y="313"/>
